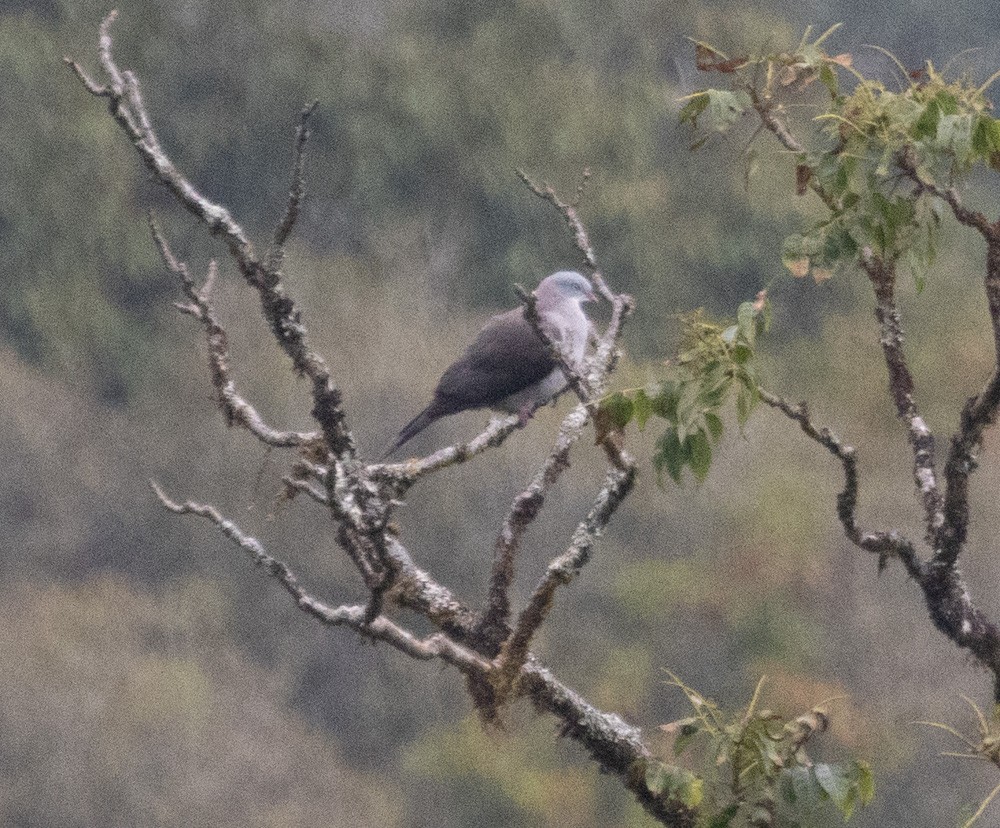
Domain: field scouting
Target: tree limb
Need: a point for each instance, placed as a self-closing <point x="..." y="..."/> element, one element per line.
<point x="882" y="274"/>
<point x="128" y="109"/>
<point x="883" y="544"/>
<point x="235" y="408"/>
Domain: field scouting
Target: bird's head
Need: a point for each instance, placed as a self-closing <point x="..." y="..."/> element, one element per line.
<point x="566" y="285"/>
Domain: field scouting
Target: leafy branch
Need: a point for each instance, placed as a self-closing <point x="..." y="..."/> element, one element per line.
<point x="715" y="363"/>
<point x="755" y="765"/>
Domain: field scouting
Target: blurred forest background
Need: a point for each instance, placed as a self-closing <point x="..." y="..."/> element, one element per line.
<point x="149" y="676"/>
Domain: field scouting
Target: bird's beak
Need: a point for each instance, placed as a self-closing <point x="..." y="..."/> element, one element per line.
<point x="590" y="297"/>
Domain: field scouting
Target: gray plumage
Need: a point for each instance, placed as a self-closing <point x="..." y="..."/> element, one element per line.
<point x="508" y="367"/>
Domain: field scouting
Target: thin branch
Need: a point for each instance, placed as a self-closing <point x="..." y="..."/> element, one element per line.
<point x="978" y="414"/>
<point x="401" y="476"/>
<point x="569" y="214"/>
<point x="297" y="189"/>
<point x="617" y="746"/>
<point x="562" y="570"/>
<point x="126" y="106"/>
<point x="523" y="511"/>
<point x="767" y="110"/>
<point x="945" y="593"/>
<point x="882" y="274"/>
<point x="379" y="628"/>
<point x="883" y="544"/>
<point x="234" y="407"/>
<point x="622" y="305"/>
<point x="296" y="484"/>
<point x="970" y="218"/>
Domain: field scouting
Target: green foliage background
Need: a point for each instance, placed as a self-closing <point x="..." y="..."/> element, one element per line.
<point x="151" y="677"/>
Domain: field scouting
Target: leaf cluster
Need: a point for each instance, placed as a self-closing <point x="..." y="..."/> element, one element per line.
<point x="985" y="745"/>
<point x="715" y="363"/>
<point x="757" y="771"/>
<point x="878" y="157"/>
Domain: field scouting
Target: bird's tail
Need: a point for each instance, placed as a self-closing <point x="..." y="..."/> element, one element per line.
<point x="413" y="428"/>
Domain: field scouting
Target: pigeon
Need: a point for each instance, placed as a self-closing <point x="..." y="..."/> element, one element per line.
<point x="507" y="367"/>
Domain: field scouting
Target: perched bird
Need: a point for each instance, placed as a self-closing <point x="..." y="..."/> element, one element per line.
<point x="508" y="367"/>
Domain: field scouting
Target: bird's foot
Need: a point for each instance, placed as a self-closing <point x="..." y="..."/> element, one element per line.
<point x="526" y="413"/>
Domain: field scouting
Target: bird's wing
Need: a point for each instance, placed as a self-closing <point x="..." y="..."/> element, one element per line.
<point x="506" y="357"/>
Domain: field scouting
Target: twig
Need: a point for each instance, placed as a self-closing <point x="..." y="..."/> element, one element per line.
<point x="235" y="408"/>
<point x="128" y="109"/>
<point x="883" y="544"/>
<point x="297" y="188"/>
<point x="882" y="275"/>
<point x="562" y="570"/>
<point x="379" y="629"/>
<point x="401" y="476"/>
<point x="970" y="218"/>
<point x="523" y="511"/>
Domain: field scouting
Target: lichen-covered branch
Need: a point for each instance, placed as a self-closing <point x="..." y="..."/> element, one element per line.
<point x="883" y="544"/>
<point x="617" y="746"/>
<point x="978" y="414"/>
<point x="882" y="275"/>
<point x="235" y="408"/>
<point x="562" y="570"/>
<point x="361" y="497"/>
<point x="401" y="476"/>
<point x="296" y="190"/>
<point x="128" y="109"/>
<point x="523" y="511"/>
<point x="379" y="628"/>
<point x="970" y="218"/>
<point x="587" y="382"/>
<point x="945" y="593"/>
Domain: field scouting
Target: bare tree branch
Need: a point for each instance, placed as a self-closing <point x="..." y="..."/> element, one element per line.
<point x="882" y="275"/>
<point x="297" y="189"/>
<point x="617" y="746"/>
<point x="883" y="544"/>
<point x="235" y="408"/>
<point x="523" y="511"/>
<point x="379" y="628"/>
<point x="128" y="109"/>
<point x="562" y="570"/>
<point x="361" y="497"/>
<point x="970" y="218"/>
<point x="401" y="476"/>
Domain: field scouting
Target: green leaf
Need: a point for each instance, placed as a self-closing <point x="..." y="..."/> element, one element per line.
<point x="664" y="401"/>
<point x="837" y="782"/>
<point x="620" y="408"/>
<point x="693" y="108"/>
<point x="926" y="125"/>
<point x="865" y="781"/>
<point x="746" y="400"/>
<point x="955" y="135"/>
<point x="700" y="454"/>
<point x="829" y="80"/>
<point x="741" y="354"/>
<point x="714" y="423"/>
<point x="614" y="413"/>
<point x="986" y="138"/>
<point x="717" y="109"/>
<point x="673" y="782"/>
<point x="642" y="408"/>
<point x="725" y="818"/>
<point x="670" y="455"/>
<point x="804" y="786"/>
